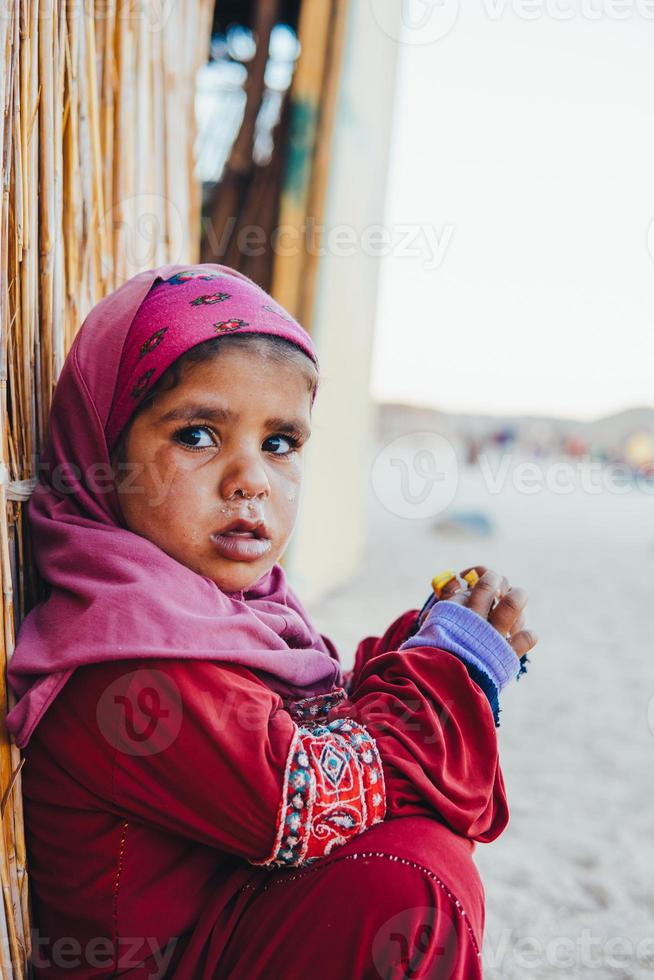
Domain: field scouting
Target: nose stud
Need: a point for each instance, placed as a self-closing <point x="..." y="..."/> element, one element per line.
<point x="233" y="503"/>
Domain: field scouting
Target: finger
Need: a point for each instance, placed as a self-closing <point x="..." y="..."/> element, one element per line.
<point x="450" y="589"/>
<point x="483" y="594"/>
<point x="518" y="625"/>
<point x="523" y="642"/>
<point x="508" y="610"/>
<point x="481" y="570"/>
<point x="442" y="580"/>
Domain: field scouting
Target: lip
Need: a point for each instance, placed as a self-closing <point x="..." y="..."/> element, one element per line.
<point x="242" y="540"/>
<point x="259" y="527"/>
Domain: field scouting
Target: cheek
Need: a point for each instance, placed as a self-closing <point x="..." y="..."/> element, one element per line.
<point x="163" y="485"/>
<point x="287" y="491"/>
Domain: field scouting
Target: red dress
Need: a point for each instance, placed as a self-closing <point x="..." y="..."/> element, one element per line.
<point x="155" y="791"/>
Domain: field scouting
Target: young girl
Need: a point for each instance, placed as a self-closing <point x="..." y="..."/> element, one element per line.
<point x="206" y="794"/>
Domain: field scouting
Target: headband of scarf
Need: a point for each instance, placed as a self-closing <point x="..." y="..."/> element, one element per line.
<point x="113" y="594"/>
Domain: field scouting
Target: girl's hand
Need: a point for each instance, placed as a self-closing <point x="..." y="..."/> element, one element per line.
<point x="493" y="599"/>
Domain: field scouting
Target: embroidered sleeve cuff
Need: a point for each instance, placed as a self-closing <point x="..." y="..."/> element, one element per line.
<point x="333" y="790"/>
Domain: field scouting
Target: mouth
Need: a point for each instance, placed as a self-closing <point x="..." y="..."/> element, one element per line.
<point x="242" y="540"/>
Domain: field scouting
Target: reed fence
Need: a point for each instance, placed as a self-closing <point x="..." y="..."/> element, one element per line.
<point x="96" y="140"/>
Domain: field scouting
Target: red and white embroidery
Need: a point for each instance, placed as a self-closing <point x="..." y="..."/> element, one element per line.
<point x="313" y="710"/>
<point x="333" y="790"/>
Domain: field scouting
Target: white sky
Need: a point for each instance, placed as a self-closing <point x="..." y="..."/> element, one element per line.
<point x="534" y="142"/>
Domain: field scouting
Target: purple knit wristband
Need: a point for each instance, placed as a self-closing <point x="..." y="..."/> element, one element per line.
<point x="463" y="632"/>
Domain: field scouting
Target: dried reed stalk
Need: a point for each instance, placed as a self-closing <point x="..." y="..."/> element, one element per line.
<point x="96" y="139"/>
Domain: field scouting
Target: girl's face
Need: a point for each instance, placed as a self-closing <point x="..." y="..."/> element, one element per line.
<point x="225" y="444"/>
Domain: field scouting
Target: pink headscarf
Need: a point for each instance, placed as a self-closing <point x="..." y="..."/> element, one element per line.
<point x="115" y="594"/>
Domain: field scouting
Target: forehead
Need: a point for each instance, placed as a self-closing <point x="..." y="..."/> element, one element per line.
<point x="237" y="385"/>
<point x="248" y="372"/>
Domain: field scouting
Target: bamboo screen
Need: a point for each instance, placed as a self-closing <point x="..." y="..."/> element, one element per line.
<point x="96" y="140"/>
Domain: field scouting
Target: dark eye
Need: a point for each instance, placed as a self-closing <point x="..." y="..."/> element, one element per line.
<point x="191" y="431"/>
<point x="288" y="440"/>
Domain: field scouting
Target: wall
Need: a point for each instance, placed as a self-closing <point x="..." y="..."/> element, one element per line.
<point x="327" y="544"/>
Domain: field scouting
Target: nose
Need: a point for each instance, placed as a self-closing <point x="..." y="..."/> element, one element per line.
<point x="244" y="475"/>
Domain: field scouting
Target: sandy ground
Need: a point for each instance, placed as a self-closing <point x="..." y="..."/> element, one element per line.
<point x="569" y="883"/>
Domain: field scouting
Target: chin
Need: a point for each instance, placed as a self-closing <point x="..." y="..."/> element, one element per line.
<point x="242" y="576"/>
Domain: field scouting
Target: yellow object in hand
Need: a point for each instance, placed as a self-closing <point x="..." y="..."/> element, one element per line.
<point x="439" y="581"/>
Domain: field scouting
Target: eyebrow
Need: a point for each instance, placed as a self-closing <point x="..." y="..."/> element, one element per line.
<point x="196" y="410"/>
